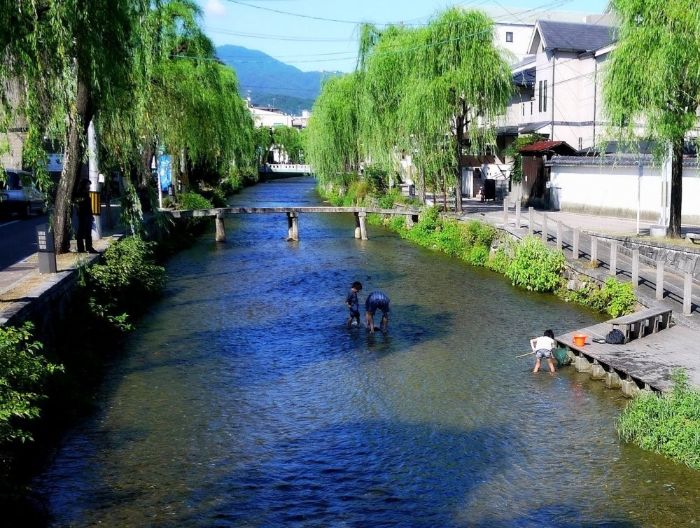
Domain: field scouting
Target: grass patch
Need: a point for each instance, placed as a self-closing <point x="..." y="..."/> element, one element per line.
<point x="667" y="424"/>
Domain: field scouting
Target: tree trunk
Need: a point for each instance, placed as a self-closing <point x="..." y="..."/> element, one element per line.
<point x="78" y="122"/>
<point x="676" y="188"/>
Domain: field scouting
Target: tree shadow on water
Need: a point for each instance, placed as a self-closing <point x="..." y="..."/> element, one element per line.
<point x="555" y="516"/>
<point x="357" y="474"/>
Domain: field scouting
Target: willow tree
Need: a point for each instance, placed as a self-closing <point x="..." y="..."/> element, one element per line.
<point x="185" y="102"/>
<point x="70" y="59"/>
<point x="420" y="86"/>
<point x="663" y="89"/>
<point x="332" y="141"/>
<point x="290" y="140"/>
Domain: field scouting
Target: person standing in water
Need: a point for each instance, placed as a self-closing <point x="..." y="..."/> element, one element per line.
<point x="542" y="347"/>
<point x="377" y="300"/>
<point x="353" y="303"/>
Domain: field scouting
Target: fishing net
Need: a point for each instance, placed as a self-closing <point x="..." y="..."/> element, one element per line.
<point x="562" y="356"/>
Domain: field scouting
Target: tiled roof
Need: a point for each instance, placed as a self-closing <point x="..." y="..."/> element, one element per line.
<point x="575" y="37"/>
<point x="547" y="146"/>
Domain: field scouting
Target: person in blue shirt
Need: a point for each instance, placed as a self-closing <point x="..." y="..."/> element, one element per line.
<point x="377" y="300"/>
<point x="353" y="303"/>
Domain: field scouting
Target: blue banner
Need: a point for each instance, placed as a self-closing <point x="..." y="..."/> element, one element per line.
<point x="165" y="171"/>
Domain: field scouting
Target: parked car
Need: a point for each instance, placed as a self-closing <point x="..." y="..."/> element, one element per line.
<point x="17" y="195"/>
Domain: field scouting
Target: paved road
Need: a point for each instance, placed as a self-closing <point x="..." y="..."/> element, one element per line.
<point x="18" y="238"/>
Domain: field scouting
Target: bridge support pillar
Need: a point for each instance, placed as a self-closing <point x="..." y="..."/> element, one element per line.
<point x="362" y="217"/>
<point x="220" y="228"/>
<point x="613" y="380"/>
<point x="358" y="231"/>
<point x="293" y="226"/>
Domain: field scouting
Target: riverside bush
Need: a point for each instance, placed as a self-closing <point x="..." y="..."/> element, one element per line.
<point x="667" y="424"/>
<point x="192" y="200"/>
<point x="123" y="282"/>
<point x="614" y="297"/>
<point x="23" y="370"/>
<point x="535" y="267"/>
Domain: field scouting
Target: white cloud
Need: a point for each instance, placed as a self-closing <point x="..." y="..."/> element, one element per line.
<point x="215" y="8"/>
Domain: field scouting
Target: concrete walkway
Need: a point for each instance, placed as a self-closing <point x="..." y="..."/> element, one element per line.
<point x="676" y="347"/>
<point x="607" y="229"/>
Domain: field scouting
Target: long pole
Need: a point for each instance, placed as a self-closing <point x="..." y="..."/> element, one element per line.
<point x="160" y="188"/>
<point x="639" y="192"/>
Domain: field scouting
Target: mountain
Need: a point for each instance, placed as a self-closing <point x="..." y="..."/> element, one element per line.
<point x="268" y="81"/>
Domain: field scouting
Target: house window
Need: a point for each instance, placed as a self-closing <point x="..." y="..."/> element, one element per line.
<point x="539" y="93"/>
<point x="544" y="98"/>
<point x="509" y="36"/>
<point x="532" y="104"/>
<point x="523" y="108"/>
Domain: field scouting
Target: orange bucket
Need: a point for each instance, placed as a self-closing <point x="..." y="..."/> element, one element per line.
<point x="579" y="339"/>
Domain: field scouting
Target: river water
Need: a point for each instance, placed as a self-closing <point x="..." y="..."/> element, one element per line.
<point x="243" y="401"/>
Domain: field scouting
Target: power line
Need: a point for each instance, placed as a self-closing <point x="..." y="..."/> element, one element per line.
<point x="289" y="38"/>
<point x="298" y="15"/>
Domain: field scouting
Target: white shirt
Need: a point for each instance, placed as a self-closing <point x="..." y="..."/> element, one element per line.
<point x="544" y="343"/>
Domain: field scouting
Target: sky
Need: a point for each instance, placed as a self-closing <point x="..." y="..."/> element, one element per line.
<point x="322" y="34"/>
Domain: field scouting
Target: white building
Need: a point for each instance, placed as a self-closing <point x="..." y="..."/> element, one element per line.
<point x="269" y="117"/>
<point x="559" y="84"/>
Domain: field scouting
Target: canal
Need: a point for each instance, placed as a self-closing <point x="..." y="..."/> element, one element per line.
<point x="243" y="401"/>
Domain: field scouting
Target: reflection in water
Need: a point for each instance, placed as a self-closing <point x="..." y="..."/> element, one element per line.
<point x="244" y="401"/>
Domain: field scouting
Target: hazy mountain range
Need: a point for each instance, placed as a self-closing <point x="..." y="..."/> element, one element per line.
<point x="269" y="82"/>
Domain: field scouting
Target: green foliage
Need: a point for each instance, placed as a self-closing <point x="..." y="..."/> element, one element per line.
<point x="470" y="242"/>
<point x="667" y="424"/>
<point x="126" y="279"/>
<point x="332" y="142"/>
<point x="500" y="259"/>
<point x="397" y="223"/>
<point x="290" y="140"/>
<point x="388" y="199"/>
<point x="614" y="297"/>
<point x="131" y="212"/>
<point x="663" y="91"/>
<point x="376" y="179"/>
<point x="410" y="86"/>
<point x="536" y="267"/>
<point x="478" y="256"/>
<point x="23" y="370"/>
<point x="192" y="200"/>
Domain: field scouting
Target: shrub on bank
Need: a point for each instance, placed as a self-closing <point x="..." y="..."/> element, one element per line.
<point x="126" y="279"/>
<point x="23" y="370"/>
<point x="614" y="297"/>
<point x="535" y="267"/>
<point x="192" y="200"/>
<point x="667" y="424"/>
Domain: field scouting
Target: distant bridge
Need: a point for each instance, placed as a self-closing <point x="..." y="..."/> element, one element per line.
<point x="411" y="216"/>
<point x="284" y="168"/>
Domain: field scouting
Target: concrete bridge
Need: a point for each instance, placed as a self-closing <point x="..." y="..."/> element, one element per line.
<point x="292" y="213"/>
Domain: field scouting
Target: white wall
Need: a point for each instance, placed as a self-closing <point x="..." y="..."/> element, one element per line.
<point x="613" y="190"/>
<point x="521" y="38"/>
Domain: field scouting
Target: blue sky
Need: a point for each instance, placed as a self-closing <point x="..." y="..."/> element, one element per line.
<point x="312" y="44"/>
